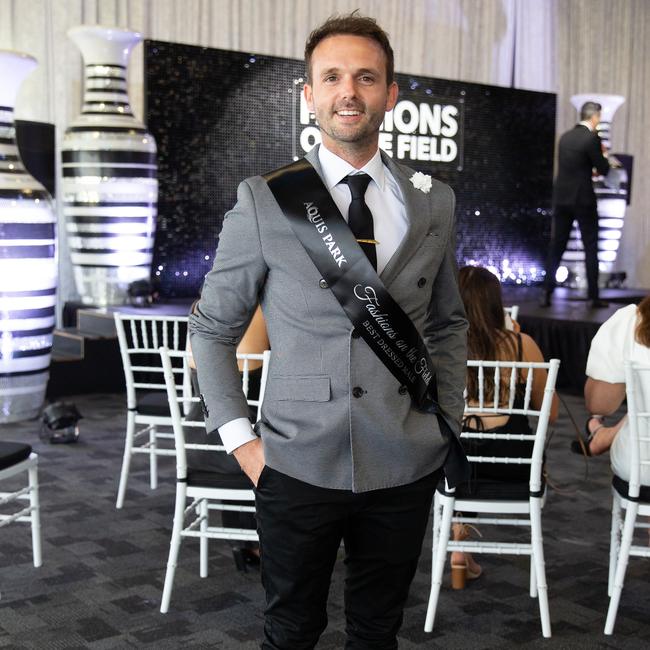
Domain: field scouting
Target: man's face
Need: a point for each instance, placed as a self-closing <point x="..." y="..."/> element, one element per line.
<point x="348" y="92"/>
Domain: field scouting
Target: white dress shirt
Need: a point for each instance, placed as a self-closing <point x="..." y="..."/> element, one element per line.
<point x="386" y="203"/>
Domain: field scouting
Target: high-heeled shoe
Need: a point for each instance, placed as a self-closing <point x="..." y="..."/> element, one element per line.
<point x="462" y="572"/>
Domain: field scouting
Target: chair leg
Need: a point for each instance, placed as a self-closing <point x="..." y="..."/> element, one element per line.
<point x="614" y="541"/>
<point x="439" y="560"/>
<point x="538" y="558"/>
<point x="35" y="515"/>
<point x="126" y="460"/>
<point x="621" y="565"/>
<point x="174" y="546"/>
<point x="203" y="541"/>
<point x="437" y="519"/>
<point x="153" y="458"/>
<point x="533" y="577"/>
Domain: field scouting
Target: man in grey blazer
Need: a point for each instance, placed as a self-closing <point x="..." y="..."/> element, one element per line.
<point x="341" y="452"/>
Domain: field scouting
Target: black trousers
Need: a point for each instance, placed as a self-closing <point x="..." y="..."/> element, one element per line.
<point x="587" y="218"/>
<point x="301" y="527"/>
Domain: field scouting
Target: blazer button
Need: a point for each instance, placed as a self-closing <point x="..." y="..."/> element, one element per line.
<point x="422" y="282"/>
<point x="402" y="390"/>
<point x="357" y="391"/>
<point x="356" y="334"/>
<point x="322" y="283"/>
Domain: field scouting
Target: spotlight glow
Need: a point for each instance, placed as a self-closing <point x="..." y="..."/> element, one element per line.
<point x="561" y="274"/>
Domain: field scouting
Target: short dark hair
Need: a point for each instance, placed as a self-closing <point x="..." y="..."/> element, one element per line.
<point x="355" y="25"/>
<point x="589" y="109"/>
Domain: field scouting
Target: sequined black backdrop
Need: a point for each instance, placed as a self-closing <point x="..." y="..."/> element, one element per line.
<point x="220" y="116"/>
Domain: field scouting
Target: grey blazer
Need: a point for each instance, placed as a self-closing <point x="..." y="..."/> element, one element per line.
<point x="313" y="427"/>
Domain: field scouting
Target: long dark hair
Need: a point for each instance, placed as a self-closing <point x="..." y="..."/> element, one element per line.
<point x="642" y="333"/>
<point x="487" y="338"/>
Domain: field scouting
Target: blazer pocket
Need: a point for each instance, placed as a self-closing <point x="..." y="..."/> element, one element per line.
<point x="298" y="388"/>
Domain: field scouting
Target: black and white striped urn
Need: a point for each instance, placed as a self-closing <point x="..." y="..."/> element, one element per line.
<point x="110" y="186"/>
<point x="28" y="263"/>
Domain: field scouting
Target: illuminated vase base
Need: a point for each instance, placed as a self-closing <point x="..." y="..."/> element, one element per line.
<point x="21" y="398"/>
<point x="101" y="287"/>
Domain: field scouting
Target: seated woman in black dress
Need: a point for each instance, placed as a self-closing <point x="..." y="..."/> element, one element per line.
<point x="489" y="339"/>
<point x="254" y="341"/>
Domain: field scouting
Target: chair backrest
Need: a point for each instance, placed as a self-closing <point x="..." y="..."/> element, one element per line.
<point x="246" y="358"/>
<point x="174" y="387"/>
<point x="504" y="397"/>
<point x="637" y="387"/>
<point x="511" y="313"/>
<point x="140" y="337"/>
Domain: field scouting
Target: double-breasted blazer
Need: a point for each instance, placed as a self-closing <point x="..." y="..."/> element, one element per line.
<point x="333" y="415"/>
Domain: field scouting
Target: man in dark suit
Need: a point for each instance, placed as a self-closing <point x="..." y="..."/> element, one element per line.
<point x="342" y="450"/>
<point x="579" y="152"/>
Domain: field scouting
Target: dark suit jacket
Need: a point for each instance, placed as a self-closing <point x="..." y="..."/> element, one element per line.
<point x="578" y="153"/>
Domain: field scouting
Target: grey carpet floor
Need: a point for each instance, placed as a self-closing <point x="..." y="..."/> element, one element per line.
<point x="103" y="569"/>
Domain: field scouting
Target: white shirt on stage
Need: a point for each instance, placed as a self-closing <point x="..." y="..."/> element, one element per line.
<point x="386" y="203"/>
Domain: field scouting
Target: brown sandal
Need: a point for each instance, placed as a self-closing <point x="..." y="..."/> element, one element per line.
<point x="460" y="573"/>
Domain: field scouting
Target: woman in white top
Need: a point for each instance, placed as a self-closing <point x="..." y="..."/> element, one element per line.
<point x="624" y="336"/>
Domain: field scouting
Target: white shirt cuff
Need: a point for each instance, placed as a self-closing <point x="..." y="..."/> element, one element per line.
<point x="236" y="433"/>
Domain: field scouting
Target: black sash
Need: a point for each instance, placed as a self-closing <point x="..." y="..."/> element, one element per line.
<point x="390" y="333"/>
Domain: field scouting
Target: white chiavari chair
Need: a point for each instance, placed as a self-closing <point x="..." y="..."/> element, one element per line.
<point x="200" y="492"/>
<point x="15" y="458"/>
<point x="519" y="505"/>
<point x="630" y="496"/>
<point x="148" y="428"/>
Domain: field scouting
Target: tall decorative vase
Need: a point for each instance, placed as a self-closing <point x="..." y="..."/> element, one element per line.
<point x="28" y="263"/>
<point x="611" y="196"/>
<point x="110" y="187"/>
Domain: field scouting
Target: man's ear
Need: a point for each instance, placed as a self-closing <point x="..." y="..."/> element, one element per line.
<point x="393" y="92"/>
<point x="309" y="97"/>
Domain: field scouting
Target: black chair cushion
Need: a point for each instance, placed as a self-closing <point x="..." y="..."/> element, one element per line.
<point x="12" y="453"/>
<point x="154" y="403"/>
<point x="200" y="478"/>
<point x="488" y="490"/>
<point x="622" y="488"/>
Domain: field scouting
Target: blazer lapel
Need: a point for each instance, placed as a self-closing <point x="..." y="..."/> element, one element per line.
<point x="418" y="211"/>
<point x="312" y="157"/>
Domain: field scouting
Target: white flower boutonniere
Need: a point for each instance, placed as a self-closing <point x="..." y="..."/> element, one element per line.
<point x="421" y="182"/>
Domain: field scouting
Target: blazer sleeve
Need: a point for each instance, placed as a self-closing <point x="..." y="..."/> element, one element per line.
<point x="445" y="331"/>
<point x="598" y="161"/>
<point x="228" y="300"/>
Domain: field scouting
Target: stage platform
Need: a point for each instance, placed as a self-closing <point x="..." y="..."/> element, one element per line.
<point x="565" y="329"/>
<point x="85" y="353"/>
<point x="86" y="356"/>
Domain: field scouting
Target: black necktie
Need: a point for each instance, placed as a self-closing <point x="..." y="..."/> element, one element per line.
<point x="359" y="215"/>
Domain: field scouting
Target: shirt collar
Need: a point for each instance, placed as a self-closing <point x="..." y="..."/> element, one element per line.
<point x="588" y="125"/>
<point x="335" y="169"/>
